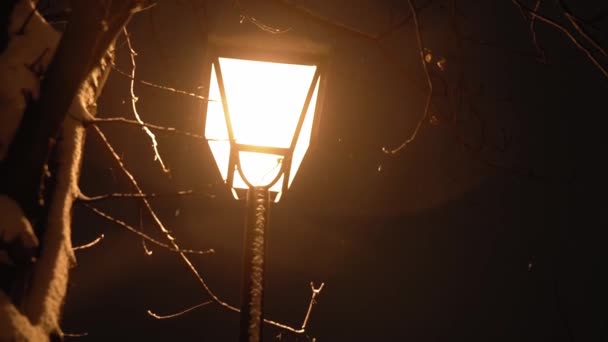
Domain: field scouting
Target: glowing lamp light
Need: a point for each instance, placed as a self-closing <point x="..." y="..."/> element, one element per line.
<point x="260" y="118"/>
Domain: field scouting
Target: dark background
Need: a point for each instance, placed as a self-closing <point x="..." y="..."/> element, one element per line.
<point x="441" y="242"/>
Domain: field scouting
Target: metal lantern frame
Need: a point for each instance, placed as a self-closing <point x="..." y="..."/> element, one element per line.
<point x="217" y="50"/>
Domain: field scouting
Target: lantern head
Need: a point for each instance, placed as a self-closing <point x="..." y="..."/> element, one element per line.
<point x="261" y="115"/>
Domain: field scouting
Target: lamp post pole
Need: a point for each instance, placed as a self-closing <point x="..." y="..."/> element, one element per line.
<point x="258" y="199"/>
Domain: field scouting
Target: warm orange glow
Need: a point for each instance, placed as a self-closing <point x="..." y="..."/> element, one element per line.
<point x="265" y="101"/>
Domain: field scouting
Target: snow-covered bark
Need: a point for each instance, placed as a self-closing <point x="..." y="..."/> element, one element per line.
<point x="26" y="52"/>
<point x="35" y="315"/>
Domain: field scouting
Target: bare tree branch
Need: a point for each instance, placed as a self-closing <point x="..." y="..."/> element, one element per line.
<point x="158" y="86"/>
<point x="147" y="237"/>
<point x="90" y="244"/>
<point x="84" y="334"/>
<point x="177" y="314"/>
<point x="259" y="24"/>
<point x="315" y="293"/>
<point x="429" y="97"/>
<point x="533" y="14"/>
<point x="134" y="99"/>
<point x="99" y="121"/>
<point x="173" y="244"/>
<point x="89" y="199"/>
<point x="142" y="228"/>
<point x="326" y="21"/>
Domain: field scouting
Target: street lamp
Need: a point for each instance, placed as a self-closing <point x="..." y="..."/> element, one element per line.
<point x="259" y="122"/>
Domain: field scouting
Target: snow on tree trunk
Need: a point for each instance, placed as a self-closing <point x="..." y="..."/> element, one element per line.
<point x="34" y="314"/>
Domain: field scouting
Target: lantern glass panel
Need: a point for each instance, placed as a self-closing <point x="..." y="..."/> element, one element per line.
<point x="216" y="130"/>
<point x="265" y="99"/>
<point x="305" y="134"/>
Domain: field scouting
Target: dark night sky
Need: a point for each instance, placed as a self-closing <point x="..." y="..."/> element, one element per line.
<point x="428" y="245"/>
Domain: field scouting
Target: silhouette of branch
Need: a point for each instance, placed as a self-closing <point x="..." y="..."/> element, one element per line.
<point x="134" y="99"/>
<point x="326" y="21"/>
<point x="429" y="97"/>
<point x="90" y="244"/>
<point x="84" y="334"/>
<point x="315" y="291"/>
<point x="353" y="31"/>
<point x="539" y="49"/>
<point x="534" y="14"/>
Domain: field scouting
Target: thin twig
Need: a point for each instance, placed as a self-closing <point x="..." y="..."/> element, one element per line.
<point x="574" y="21"/>
<point x="162" y="87"/>
<point x="259" y="24"/>
<point x="90" y="244"/>
<point x="84" y="334"/>
<point x="134" y="99"/>
<point x="565" y="31"/>
<point x="142" y="227"/>
<point x="429" y="96"/>
<point x="98" y="121"/>
<point x="157" y="316"/>
<point x="160" y="225"/>
<point x="539" y="49"/>
<point x="89" y="199"/>
<point x="147" y="237"/>
<point x="173" y="244"/>
<point x="315" y="293"/>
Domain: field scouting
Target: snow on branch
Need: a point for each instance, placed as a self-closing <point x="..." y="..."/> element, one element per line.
<point x="99" y="121"/>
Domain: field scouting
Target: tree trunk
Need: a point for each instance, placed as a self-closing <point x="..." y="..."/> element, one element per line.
<point x="40" y="170"/>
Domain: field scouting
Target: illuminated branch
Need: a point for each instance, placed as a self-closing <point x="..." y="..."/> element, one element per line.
<point x="172" y="243"/>
<point x="540" y="51"/>
<point x="429" y="96"/>
<point x="99" y="121"/>
<point x="256" y="22"/>
<point x="134" y="99"/>
<point x="575" y="23"/>
<point x="158" y="86"/>
<point x="315" y="293"/>
<point x="147" y="237"/>
<point x="90" y="244"/>
<point x="89" y="199"/>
